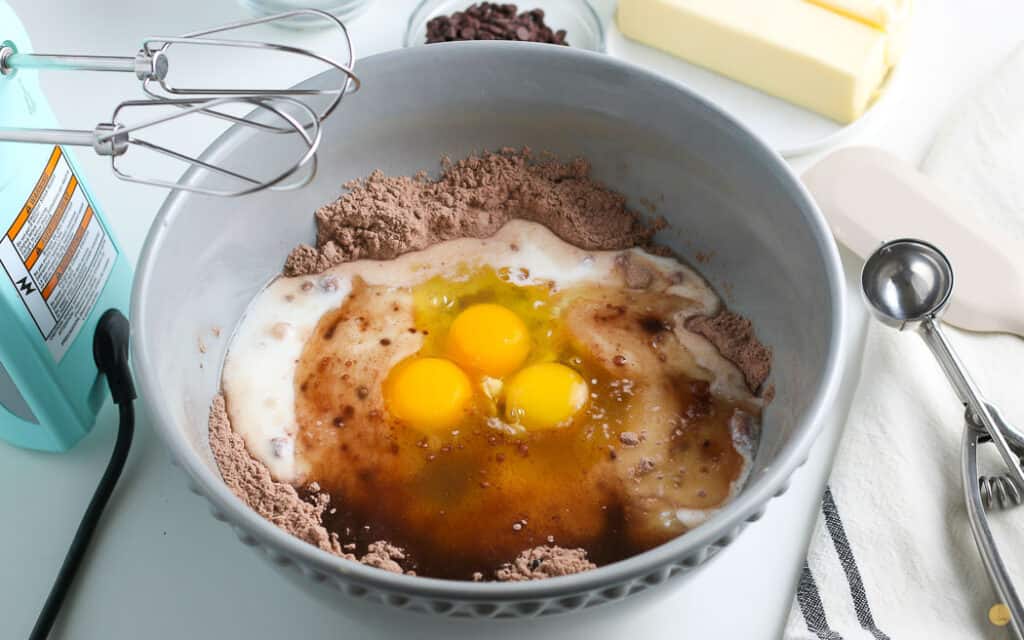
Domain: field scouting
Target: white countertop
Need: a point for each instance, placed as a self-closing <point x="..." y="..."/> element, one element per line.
<point x="161" y="567"/>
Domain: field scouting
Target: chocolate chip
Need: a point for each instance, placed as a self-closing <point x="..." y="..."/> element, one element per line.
<point x="493" y="21"/>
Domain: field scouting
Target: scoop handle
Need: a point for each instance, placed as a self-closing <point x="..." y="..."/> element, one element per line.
<point x="978" y="413"/>
<point x="983" y="538"/>
<point x="870" y="196"/>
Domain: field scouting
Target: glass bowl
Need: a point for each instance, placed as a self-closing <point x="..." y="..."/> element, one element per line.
<point x="342" y="9"/>
<point x="583" y="28"/>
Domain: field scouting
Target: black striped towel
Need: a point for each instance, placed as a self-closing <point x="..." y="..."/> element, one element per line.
<point x="808" y="598"/>
<point x="892" y="555"/>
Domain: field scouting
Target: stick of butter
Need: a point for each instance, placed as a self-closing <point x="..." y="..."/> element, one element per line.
<point x="793" y="49"/>
<point x="880" y="14"/>
<point x="888" y="16"/>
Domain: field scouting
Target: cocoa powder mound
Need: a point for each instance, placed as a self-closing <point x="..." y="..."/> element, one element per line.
<point x="280" y="503"/>
<point x="733" y="336"/>
<point x="544" y="562"/>
<point x="382" y="216"/>
<point x="251" y="481"/>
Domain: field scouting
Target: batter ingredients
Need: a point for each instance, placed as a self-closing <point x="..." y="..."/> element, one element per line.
<point x="487" y="396"/>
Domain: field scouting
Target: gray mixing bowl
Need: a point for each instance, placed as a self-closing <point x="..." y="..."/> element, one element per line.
<point x="723" y="192"/>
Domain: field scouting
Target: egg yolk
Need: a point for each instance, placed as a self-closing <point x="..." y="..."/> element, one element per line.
<point x="429" y="394"/>
<point x="544" y="396"/>
<point x="489" y="338"/>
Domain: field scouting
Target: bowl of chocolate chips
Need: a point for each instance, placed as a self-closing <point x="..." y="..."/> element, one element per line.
<point x="572" y="23"/>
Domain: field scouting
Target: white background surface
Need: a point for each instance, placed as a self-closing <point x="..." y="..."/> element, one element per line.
<point x="162" y="568"/>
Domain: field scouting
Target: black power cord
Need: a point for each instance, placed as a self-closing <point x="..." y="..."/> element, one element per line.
<point x="110" y="351"/>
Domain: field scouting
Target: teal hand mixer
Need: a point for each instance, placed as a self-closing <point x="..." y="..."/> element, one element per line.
<point x="62" y="266"/>
<point x="65" y="278"/>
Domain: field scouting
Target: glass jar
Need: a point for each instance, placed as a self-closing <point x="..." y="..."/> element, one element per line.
<point x="342" y="9"/>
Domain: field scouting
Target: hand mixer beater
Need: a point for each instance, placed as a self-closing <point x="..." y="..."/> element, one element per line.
<point x="60" y="257"/>
<point x="271" y="110"/>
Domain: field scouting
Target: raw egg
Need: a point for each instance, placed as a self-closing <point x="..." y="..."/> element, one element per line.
<point x="489" y="338"/>
<point x="427" y="393"/>
<point x="545" y="396"/>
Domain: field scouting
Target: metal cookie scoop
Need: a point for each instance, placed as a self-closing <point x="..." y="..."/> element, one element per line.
<point x="907" y="284"/>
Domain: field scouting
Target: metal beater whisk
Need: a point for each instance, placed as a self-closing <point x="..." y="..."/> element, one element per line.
<point x="268" y="110"/>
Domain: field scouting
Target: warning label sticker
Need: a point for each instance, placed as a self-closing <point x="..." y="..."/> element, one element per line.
<point x="57" y="255"/>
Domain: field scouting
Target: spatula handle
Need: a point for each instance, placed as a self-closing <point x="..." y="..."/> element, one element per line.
<point x="870" y="196"/>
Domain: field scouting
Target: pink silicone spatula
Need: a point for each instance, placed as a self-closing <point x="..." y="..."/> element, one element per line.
<point x="870" y="196"/>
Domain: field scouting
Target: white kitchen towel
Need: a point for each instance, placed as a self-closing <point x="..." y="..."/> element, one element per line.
<point x="892" y="555"/>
